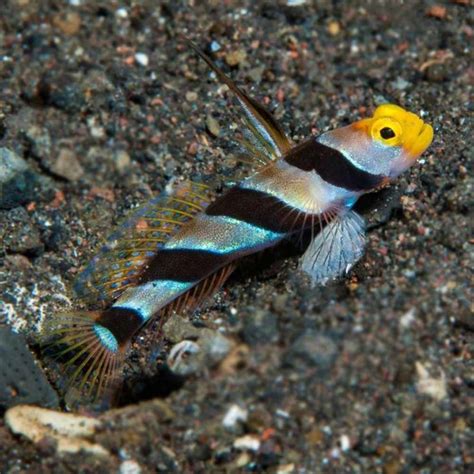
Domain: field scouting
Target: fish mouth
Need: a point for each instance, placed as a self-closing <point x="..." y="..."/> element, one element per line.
<point x="422" y="140"/>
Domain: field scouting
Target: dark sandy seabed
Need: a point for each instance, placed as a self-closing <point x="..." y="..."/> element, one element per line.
<point x="102" y="104"/>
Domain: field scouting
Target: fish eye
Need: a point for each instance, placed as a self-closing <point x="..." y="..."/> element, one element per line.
<point x="386" y="133"/>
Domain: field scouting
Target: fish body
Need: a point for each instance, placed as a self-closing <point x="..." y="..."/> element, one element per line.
<point x="311" y="186"/>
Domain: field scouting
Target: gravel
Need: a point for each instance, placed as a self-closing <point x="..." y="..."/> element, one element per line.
<point x="102" y="105"/>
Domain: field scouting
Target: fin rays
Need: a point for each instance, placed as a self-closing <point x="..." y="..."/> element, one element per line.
<point x="135" y="242"/>
<point x="90" y="362"/>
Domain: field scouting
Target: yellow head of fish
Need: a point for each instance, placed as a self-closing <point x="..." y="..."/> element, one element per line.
<point x="385" y="144"/>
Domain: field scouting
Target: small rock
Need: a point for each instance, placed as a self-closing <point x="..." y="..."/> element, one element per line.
<point x="400" y="84"/>
<point x="428" y="385"/>
<point x="122" y="161"/>
<point x="408" y="318"/>
<point x="39" y="142"/>
<point x="345" y="442"/>
<point x="18" y="233"/>
<point x="247" y="442"/>
<point x="214" y="46"/>
<point x="334" y="28"/>
<point x="10" y="165"/>
<point x="97" y="131"/>
<point x="67" y="93"/>
<point x="255" y="74"/>
<point x="18" y="184"/>
<point x="142" y="59"/>
<point x="296" y="3"/>
<point x="191" y="96"/>
<point x="286" y="469"/>
<point x="234" y="416"/>
<point x="234" y="58"/>
<point x="71" y="432"/>
<point x="437" y="11"/>
<point x="213" y="126"/>
<point x="312" y="349"/>
<point x="438" y="72"/>
<point x="242" y="460"/>
<point x="21" y="380"/>
<point x="260" y="327"/>
<point x="67" y="165"/>
<point x="69" y="24"/>
<point x="130" y="467"/>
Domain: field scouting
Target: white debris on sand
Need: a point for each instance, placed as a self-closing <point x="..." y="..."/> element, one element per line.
<point x="234" y="415"/>
<point x="72" y="432"/>
<point x="428" y="385"/>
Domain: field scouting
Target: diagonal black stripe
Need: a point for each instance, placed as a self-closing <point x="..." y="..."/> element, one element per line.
<point x="184" y="265"/>
<point x="257" y="208"/>
<point x="332" y="166"/>
<point x="121" y="322"/>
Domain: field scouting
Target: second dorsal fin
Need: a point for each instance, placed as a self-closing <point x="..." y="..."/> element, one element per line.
<point x="136" y="240"/>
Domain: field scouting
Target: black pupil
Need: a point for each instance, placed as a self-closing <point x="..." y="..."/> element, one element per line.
<point x="387" y="133"/>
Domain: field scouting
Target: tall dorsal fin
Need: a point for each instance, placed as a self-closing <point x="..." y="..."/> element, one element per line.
<point x="264" y="138"/>
<point x="136" y="240"/>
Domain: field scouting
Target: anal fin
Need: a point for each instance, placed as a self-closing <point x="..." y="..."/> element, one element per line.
<point x="195" y="297"/>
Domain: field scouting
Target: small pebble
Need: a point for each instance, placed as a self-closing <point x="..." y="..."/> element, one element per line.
<point x="334" y="28"/>
<point x="285" y="469"/>
<point x="191" y="96"/>
<point x="312" y="349"/>
<point x="67" y="165"/>
<point x="96" y="130"/>
<point x="260" y="327"/>
<point x="142" y="59"/>
<point x="213" y="126"/>
<point x="435" y="388"/>
<point x="236" y="57"/>
<point x="69" y="24"/>
<point x="214" y="46"/>
<point x="247" y="442"/>
<point x="437" y="11"/>
<point x="121" y="13"/>
<point x="234" y="415"/>
<point x="130" y="467"/>
<point x="122" y="161"/>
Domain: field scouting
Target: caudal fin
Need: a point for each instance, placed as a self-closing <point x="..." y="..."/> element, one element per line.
<point x="90" y="352"/>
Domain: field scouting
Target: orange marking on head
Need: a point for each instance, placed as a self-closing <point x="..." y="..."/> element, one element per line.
<point x="394" y="126"/>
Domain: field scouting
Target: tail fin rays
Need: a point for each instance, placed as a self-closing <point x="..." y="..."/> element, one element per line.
<point x="94" y="361"/>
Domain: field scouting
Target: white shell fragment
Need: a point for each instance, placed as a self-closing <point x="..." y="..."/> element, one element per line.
<point x="247" y="443"/>
<point x="234" y="415"/>
<point x="428" y="385"/>
<point x="72" y="432"/>
<point x="178" y="358"/>
<point x="142" y="59"/>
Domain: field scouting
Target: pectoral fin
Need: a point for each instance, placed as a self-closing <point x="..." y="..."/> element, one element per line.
<point x="335" y="249"/>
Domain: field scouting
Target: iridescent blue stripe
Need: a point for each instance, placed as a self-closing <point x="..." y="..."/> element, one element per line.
<point x="223" y="235"/>
<point x="106" y="337"/>
<point x="148" y="298"/>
